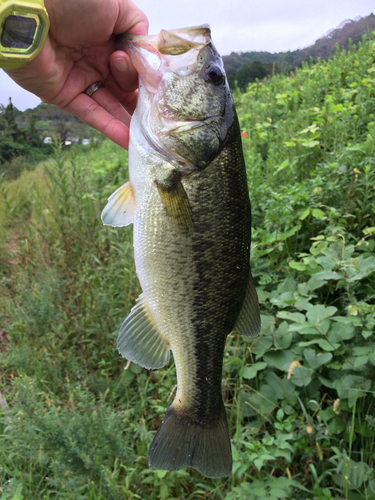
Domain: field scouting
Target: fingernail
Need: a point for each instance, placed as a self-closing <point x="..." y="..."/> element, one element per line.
<point x="120" y="64"/>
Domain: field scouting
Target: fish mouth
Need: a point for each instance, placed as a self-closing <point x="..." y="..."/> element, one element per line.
<point x="157" y="52"/>
<point x="169" y="42"/>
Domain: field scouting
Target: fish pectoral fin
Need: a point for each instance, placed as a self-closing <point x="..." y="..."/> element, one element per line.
<point x="248" y="321"/>
<point x="139" y="339"/>
<point x="175" y="201"/>
<point x="120" y="208"/>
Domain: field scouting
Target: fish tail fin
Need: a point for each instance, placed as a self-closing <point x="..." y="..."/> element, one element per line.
<point x="185" y="441"/>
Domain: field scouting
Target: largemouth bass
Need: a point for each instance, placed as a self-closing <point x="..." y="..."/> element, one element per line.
<point x="189" y="204"/>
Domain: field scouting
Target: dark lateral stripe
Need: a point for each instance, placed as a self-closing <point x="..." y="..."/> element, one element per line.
<point x="221" y="247"/>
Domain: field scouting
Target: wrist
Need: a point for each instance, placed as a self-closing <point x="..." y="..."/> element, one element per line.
<point x="24" y="27"/>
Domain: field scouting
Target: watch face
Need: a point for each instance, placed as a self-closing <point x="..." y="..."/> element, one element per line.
<point x="18" y="32"/>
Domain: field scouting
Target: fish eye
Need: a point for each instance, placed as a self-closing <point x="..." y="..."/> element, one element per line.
<point x="214" y="74"/>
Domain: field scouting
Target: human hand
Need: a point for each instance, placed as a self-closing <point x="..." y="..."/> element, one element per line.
<point x="80" y="50"/>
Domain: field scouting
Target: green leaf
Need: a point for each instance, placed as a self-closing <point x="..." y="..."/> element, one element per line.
<point x="304" y="328"/>
<point x="259" y="491"/>
<point x="267" y="323"/>
<point x="262" y="344"/>
<point x="316" y="314"/>
<point x="235" y="454"/>
<point x="305" y="213"/>
<point x="365" y="268"/>
<point x="258" y="462"/>
<point x="328" y="275"/>
<point x="283" y="337"/>
<point x="303" y="304"/>
<point x="285" y="484"/>
<point x="316" y="360"/>
<point x="301" y="376"/>
<point x="340" y="331"/>
<point x="277" y="493"/>
<point x="336" y="108"/>
<point x="318" y="246"/>
<point x="372" y="358"/>
<point x="352" y="387"/>
<point x="315" y="283"/>
<point x="325" y="381"/>
<point x="262" y="402"/>
<point x="279" y="168"/>
<point x="280" y="359"/>
<point x="356" y="472"/>
<point x="310" y="144"/>
<point x="164" y="491"/>
<point x="127" y="376"/>
<point x="371" y="481"/>
<point x="282" y="386"/>
<point x="300" y="266"/>
<point x="360" y="361"/>
<point x="336" y="426"/>
<point x="317" y="213"/>
<point x="297" y="317"/>
<point x="250" y="372"/>
<point x="324" y="344"/>
<point x="283" y="300"/>
<point x="366" y="333"/>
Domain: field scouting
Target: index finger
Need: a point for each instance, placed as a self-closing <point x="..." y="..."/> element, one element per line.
<point x="94" y="114"/>
<point x="130" y="20"/>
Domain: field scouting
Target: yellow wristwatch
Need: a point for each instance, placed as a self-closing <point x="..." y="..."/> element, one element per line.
<point x="24" y="26"/>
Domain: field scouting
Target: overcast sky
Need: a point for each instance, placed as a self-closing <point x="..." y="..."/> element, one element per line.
<point x="237" y="25"/>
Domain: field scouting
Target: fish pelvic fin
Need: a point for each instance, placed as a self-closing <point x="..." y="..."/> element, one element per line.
<point x="248" y="321"/>
<point x="184" y="441"/>
<point x="120" y="209"/>
<point x="139" y="339"/>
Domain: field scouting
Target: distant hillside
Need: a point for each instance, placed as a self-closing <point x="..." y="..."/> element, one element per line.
<point x="324" y="47"/>
<point x="52" y="120"/>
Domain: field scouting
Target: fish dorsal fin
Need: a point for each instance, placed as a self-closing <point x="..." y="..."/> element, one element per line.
<point x="139" y="339"/>
<point x="176" y="202"/>
<point x="120" y="208"/>
<point x="248" y="321"/>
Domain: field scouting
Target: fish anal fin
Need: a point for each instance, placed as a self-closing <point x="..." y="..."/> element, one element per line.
<point x="139" y="339"/>
<point x="120" y="209"/>
<point x="175" y="201"/>
<point x="248" y="321"/>
<point x="184" y="441"/>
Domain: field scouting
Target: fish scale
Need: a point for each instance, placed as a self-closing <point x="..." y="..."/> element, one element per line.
<point x="188" y="200"/>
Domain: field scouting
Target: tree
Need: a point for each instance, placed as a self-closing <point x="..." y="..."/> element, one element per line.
<point x="248" y="73"/>
<point x="15" y="141"/>
<point x="12" y="138"/>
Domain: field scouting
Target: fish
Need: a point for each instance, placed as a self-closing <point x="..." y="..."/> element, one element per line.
<point x="188" y="201"/>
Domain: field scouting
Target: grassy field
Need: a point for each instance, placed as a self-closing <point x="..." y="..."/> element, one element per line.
<point x="76" y="419"/>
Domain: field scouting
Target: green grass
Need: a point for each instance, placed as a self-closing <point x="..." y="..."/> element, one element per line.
<point x="79" y="419"/>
